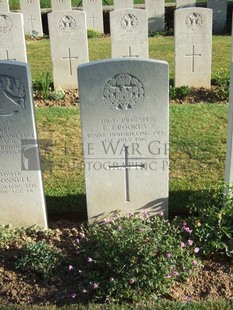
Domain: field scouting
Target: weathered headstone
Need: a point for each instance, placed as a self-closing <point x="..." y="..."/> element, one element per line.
<point x="61" y="5"/>
<point x="123" y="4"/>
<point x="229" y="153"/>
<point x="68" y="43"/>
<point x="219" y="8"/>
<point x="181" y="4"/>
<point x="193" y="47"/>
<point x="129" y="33"/>
<point x="94" y="13"/>
<point x="32" y="17"/>
<point x="12" y="37"/>
<point x="124" y="116"/>
<point x="21" y="189"/>
<point x="156" y="14"/>
<point x="4" y="6"/>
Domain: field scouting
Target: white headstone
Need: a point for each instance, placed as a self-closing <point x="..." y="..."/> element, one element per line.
<point x="32" y="17"/>
<point x="181" y="4"/>
<point x="156" y="14"/>
<point x="61" y="5"/>
<point x="229" y="153"/>
<point x="123" y="4"/>
<point x="21" y="188"/>
<point x="68" y="43"/>
<point x="219" y="8"/>
<point x="193" y="47"/>
<point x="124" y="115"/>
<point x="12" y="37"/>
<point x="129" y="33"/>
<point x="4" y="6"/>
<point x="94" y="12"/>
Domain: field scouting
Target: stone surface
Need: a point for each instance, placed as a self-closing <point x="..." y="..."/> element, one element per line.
<point x="193" y="47"/>
<point x="4" y="6"/>
<point x="32" y="17"/>
<point x="229" y="153"/>
<point x="219" y="8"/>
<point x="156" y="14"/>
<point x="68" y="43"/>
<point x="124" y="116"/>
<point x="129" y="33"/>
<point x="21" y="189"/>
<point x="61" y="5"/>
<point x="181" y="4"/>
<point x="12" y="37"/>
<point x="123" y="4"/>
<point x="94" y="13"/>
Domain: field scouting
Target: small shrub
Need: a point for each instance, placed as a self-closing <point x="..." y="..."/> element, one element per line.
<point x="212" y="221"/>
<point x="39" y="258"/>
<point x="130" y="258"/>
<point x="222" y="83"/>
<point x="91" y="33"/>
<point x="57" y="94"/>
<point x="179" y="92"/>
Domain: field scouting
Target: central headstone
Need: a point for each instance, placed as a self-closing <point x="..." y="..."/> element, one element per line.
<point x="21" y="189"/>
<point x="124" y="116"/>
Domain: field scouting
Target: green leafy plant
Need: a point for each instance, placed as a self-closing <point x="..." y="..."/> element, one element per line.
<point x="222" y="83"/>
<point x="212" y="221"/>
<point x="39" y="258"/>
<point x="46" y="81"/>
<point x="131" y="257"/>
<point x="57" y="94"/>
<point x="179" y="92"/>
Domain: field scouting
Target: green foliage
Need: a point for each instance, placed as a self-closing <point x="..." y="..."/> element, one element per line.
<point x="179" y="92"/>
<point x="46" y="81"/>
<point x="39" y="258"/>
<point x="91" y="33"/>
<point x="222" y="83"/>
<point x="130" y="258"/>
<point x="212" y="221"/>
<point x="57" y="94"/>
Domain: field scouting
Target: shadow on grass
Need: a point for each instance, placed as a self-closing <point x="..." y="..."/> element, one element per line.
<point x="70" y="208"/>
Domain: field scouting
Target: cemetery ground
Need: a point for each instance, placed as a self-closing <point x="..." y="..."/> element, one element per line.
<point x="40" y="267"/>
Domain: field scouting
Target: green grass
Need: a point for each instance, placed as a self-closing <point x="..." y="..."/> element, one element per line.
<point x="160" y="47"/>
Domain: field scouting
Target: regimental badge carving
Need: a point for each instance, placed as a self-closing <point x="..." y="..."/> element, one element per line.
<point x="194" y="21"/>
<point x="67" y="23"/>
<point x="29" y="1"/>
<point x="123" y="92"/>
<point x="129" y="22"/>
<point x="5" y="24"/>
<point x="12" y="96"/>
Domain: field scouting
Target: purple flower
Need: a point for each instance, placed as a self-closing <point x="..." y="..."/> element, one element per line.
<point x="175" y="273"/>
<point x="190" y="242"/>
<point x="95" y="286"/>
<point x="119" y="227"/>
<point x="111" y="279"/>
<point x="70" y="267"/>
<point x="77" y="240"/>
<point x="195" y="262"/>
<point x="82" y="235"/>
<point x="169" y="275"/>
<point x="89" y="260"/>
<point x="106" y="220"/>
<point x="73" y="295"/>
<point x="169" y="255"/>
<point x="84" y="291"/>
<point x="196" y="250"/>
<point x="131" y="281"/>
<point x="182" y="244"/>
<point x="187" y="229"/>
